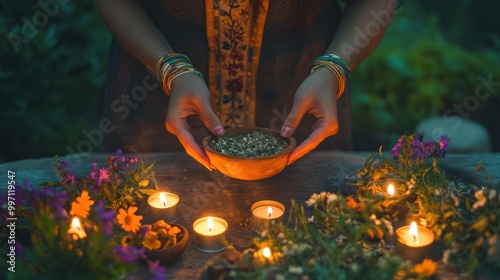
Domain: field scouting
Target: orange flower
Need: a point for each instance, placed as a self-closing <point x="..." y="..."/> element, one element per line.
<point x="151" y="241"/>
<point x="426" y="268"/>
<point x="128" y="220"/>
<point x="82" y="205"/>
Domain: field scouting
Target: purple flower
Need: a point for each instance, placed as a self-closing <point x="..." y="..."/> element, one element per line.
<point x="99" y="174"/>
<point x="129" y="254"/>
<point x="444" y="141"/>
<point x="157" y="271"/>
<point x="396" y="150"/>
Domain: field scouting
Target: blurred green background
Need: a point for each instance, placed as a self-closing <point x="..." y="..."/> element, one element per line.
<point x="52" y="83"/>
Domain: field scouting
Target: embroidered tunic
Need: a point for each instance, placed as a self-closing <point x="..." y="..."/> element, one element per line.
<point x="252" y="73"/>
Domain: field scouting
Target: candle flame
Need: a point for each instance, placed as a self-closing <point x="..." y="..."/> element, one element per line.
<point x="163" y="199"/>
<point x="266" y="252"/>
<point x="413" y="231"/>
<point x="76" y="223"/>
<point x="390" y="189"/>
<point x="210" y="223"/>
<point x="269" y="212"/>
<point x="76" y="229"/>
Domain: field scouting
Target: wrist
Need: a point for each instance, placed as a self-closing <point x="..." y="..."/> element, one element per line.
<point x="172" y="66"/>
<point x="335" y="65"/>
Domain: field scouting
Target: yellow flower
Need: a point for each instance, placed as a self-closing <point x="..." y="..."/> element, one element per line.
<point x="151" y="241"/>
<point x="128" y="220"/>
<point x="427" y="268"/>
<point x="82" y="205"/>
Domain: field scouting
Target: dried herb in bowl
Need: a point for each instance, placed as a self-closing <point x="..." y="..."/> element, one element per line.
<point x="255" y="144"/>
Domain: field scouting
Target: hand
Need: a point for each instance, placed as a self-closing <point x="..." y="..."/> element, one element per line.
<point x="188" y="108"/>
<point x="315" y="96"/>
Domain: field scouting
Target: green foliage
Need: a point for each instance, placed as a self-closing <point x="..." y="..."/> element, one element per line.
<point x="53" y="80"/>
<point x="353" y="237"/>
<point x="411" y="76"/>
<point x="55" y="255"/>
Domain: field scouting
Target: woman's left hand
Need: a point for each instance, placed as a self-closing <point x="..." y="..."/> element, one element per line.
<point x="316" y="96"/>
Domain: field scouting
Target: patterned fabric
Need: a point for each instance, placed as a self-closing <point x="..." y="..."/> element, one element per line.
<point x="234" y="59"/>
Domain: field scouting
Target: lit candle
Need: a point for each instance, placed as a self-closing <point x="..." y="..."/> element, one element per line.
<point x="265" y="212"/>
<point x="266" y="252"/>
<point x="210" y="234"/>
<point x="76" y="230"/>
<point x="164" y="206"/>
<point x="390" y="190"/>
<point x="414" y="242"/>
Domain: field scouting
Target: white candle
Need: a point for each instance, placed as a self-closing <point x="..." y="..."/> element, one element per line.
<point x="265" y="212"/>
<point x="414" y="242"/>
<point x="390" y="190"/>
<point x="210" y="234"/>
<point x="210" y="227"/>
<point x="164" y="205"/>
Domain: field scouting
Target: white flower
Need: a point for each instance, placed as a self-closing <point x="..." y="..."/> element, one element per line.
<point x="312" y="200"/>
<point x="481" y="199"/>
<point x="295" y="269"/>
<point x="263" y="233"/>
<point x="330" y="197"/>
<point x="311" y="219"/>
<point x="281" y="235"/>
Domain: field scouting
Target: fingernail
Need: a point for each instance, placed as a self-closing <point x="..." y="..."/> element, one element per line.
<point x="219" y="130"/>
<point x="286" y="131"/>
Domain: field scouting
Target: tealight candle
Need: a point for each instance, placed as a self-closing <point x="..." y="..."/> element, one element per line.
<point x="76" y="230"/>
<point x="164" y="205"/>
<point x="390" y="190"/>
<point x="210" y="234"/>
<point x="265" y="212"/>
<point x="414" y="242"/>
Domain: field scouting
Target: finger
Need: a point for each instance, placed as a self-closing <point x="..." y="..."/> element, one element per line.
<point x="181" y="130"/>
<point x="293" y="119"/>
<point x="211" y="121"/>
<point x="321" y="132"/>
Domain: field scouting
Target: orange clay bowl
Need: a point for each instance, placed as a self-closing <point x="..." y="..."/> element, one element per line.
<point x="248" y="168"/>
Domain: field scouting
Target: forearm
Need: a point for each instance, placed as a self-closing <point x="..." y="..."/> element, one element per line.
<point x="360" y="30"/>
<point x="134" y="30"/>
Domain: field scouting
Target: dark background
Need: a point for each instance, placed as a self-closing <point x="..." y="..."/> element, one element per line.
<point x="52" y="81"/>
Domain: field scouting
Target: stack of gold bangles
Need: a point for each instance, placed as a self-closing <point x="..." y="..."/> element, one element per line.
<point x="171" y="66"/>
<point x="337" y="66"/>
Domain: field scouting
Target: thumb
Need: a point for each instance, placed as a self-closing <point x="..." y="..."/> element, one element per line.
<point x="211" y="121"/>
<point x="293" y="119"/>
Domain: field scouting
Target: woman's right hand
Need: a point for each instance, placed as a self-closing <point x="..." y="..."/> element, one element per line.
<point x="189" y="108"/>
